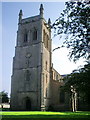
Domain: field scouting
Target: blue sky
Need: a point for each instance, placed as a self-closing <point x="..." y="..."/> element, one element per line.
<point x="0" y="45"/>
<point x="10" y="12"/>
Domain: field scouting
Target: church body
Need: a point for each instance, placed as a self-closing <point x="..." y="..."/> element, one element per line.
<point x="35" y="84"/>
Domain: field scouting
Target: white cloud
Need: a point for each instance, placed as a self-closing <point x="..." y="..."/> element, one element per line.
<point x="61" y="62"/>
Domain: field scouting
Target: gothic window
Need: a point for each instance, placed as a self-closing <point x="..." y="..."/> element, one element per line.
<point x="35" y="34"/>
<point x="44" y="36"/>
<point x="27" y="75"/>
<point x="25" y="37"/>
<point x="46" y="41"/>
<point x="46" y="65"/>
<point x="46" y="78"/>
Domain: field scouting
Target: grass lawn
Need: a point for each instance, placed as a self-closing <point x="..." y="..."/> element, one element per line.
<point x="11" y="115"/>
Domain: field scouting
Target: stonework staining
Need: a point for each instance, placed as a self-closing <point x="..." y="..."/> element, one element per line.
<point x="35" y="84"/>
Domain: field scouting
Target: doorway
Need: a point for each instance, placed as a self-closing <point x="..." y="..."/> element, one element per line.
<point x="28" y="104"/>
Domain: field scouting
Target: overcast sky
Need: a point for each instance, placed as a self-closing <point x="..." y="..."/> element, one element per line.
<point x="9" y="23"/>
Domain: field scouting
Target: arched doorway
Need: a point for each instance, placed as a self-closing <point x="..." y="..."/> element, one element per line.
<point x="28" y="103"/>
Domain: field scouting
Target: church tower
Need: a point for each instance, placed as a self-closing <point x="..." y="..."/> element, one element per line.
<point x="30" y="81"/>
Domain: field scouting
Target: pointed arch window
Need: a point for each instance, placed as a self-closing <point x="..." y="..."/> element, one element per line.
<point x="46" y="65"/>
<point x="44" y="36"/>
<point x="46" y="41"/>
<point x="25" y="37"/>
<point x="46" y="92"/>
<point x="35" y="34"/>
<point x="46" y="78"/>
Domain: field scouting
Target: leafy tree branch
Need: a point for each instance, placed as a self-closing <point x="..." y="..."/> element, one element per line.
<point x="74" y="25"/>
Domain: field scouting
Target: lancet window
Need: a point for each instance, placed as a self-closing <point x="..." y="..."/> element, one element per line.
<point x="35" y="34"/>
<point x="46" y="65"/>
<point x="25" y="37"/>
<point x="45" y="39"/>
<point x="46" y="78"/>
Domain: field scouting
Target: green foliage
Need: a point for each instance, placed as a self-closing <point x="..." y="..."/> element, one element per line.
<point x="80" y="80"/>
<point x="4" y="97"/>
<point x="74" y="25"/>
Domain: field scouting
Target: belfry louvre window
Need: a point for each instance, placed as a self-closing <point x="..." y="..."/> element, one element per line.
<point x="25" y="37"/>
<point x="35" y="34"/>
<point x="47" y="41"/>
<point x="44" y="36"/>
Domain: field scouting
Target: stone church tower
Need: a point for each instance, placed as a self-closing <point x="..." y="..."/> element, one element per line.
<point x="35" y="84"/>
<point x="30" y="84"/>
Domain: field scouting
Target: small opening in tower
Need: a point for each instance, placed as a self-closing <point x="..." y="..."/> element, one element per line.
<point x="47" y="41"/>
<point x="35" y="35"/>
<point x="25" y="37"/>
<point x="46" y="65"/>
<point x="46" y="78"/>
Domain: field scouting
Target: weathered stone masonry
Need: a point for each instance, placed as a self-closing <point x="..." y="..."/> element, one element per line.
<point x="33" y="82"/>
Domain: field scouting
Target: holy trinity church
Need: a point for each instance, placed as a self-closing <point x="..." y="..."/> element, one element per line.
<point x="35" y="84"/>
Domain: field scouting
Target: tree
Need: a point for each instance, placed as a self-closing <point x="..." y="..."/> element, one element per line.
<point x="4" y="97"/>
<point x="80" y="80"/>
<point x="74" y="25"/>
